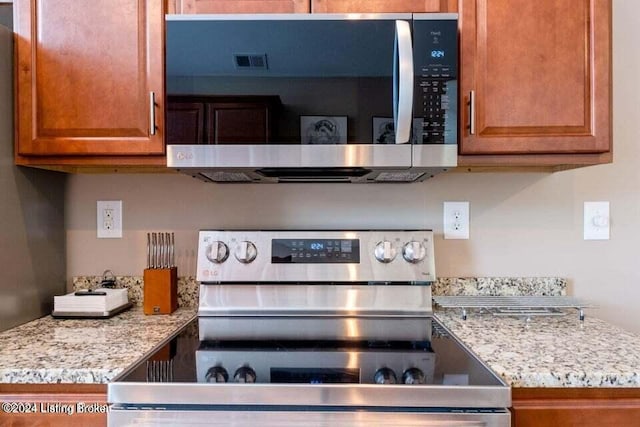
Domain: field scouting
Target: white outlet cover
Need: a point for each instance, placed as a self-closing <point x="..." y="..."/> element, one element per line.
<point x="456" y="220"/>
<point x="109" y="228"/>
<point x="596" y="220"/>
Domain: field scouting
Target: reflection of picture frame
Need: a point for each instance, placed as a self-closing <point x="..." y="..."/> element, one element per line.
<point x="383" y="130"/>
<point x="323" y="129"/>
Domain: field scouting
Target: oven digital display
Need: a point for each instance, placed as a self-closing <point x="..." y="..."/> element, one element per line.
<point x="315" y="375"/>
<point x="315" y="251"/>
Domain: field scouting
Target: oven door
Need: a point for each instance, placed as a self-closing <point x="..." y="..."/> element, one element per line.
<point x="211" y="416"/>
<point x="193" y="404"/>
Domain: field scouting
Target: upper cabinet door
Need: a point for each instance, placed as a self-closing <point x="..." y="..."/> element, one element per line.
<point x="379" y="6"/>
<point x="87" y="76"/>
<point x="535" y="76"/>
<point x="238" y="6"/>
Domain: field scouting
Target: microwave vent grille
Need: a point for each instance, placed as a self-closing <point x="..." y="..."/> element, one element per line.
<point x="252" y="61"/>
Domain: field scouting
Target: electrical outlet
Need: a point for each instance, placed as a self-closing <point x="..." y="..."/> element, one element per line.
<point x="456" y="220"/>
<point x="596" y="220"/>
<point x="109" y="219"/>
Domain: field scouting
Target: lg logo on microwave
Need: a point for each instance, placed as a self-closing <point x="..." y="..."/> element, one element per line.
<point x="181" y="155"/>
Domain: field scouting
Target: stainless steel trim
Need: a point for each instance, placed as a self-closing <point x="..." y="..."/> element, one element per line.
<point x="152" y="113"/>
<point x="472" y="112"/>
<point x="289" y="17"/>
<point x="288" y="156"/>
<point x="434" y="16"/>
<point x="311" y="300"/>
<point x="371" y="395"/>
<point x="405" y="82"/>
<point x="124" y="415"/>
<point x="306" y="327"/>
<point x="434" y="155"/>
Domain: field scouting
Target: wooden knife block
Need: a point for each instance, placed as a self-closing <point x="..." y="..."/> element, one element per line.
<point x="160" y="292"/>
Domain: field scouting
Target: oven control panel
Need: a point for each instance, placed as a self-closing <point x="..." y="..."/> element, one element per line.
<point x="315" y="256"/>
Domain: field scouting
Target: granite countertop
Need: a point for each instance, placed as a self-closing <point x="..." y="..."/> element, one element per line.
<point x="545" y="352"/>
<point x="49" y="350"/>
<point x="550" y="351"/>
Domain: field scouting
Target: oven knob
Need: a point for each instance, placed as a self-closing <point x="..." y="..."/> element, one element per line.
<point x="245" y="375"/>
<point x="414" y="251"/>
<point x="217" y="374"/>
<point x="217" y="252"/>
<point x="385" y="252"/>
<point x="246" y="252"/>
<point x="385" y="376"/>
<point x="413" y="376"/>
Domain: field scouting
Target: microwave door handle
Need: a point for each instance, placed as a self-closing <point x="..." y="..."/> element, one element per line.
<point x="403" y="82"/>
<point x="395" y="82"/>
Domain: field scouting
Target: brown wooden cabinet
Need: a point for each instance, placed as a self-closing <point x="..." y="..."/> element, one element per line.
<point x="238" y="6"/>
<point x="227" y="119"/>
<point x="382" y="6"/>
<point x="306" y="6"/>
<point x="539" y="74"/>
<point x="50" y="405"/>
<point x="575" y="407"/>
<point x="86" y="76"/>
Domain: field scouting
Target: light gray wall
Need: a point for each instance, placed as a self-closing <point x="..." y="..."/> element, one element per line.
<point x="522" y="224"/>
<point x="32" y="237"/>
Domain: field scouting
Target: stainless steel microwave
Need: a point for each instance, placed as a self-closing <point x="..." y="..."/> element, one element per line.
<point x="312" y="98"/>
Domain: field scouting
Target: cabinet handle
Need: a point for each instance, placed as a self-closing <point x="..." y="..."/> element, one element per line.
<point x="472" y="112"/>
<point x="152" y="113"/>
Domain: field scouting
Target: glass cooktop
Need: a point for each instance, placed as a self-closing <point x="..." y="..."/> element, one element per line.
<point x="433" y="357"/>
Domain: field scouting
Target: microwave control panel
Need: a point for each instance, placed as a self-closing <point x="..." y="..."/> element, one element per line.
<point x="435" y="45"/>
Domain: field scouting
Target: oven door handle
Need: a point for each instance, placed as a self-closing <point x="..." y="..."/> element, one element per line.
<point x="402" y="82"/>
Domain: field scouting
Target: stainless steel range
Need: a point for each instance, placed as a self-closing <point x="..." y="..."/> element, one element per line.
<point x="322" y="328"/>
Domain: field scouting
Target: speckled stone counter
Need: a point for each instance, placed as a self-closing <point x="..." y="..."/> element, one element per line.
<point x="506" y="286"/>
<point x="545" y="352"/>
<point x="49" y="350"/>
<point x="550" y="351"/>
